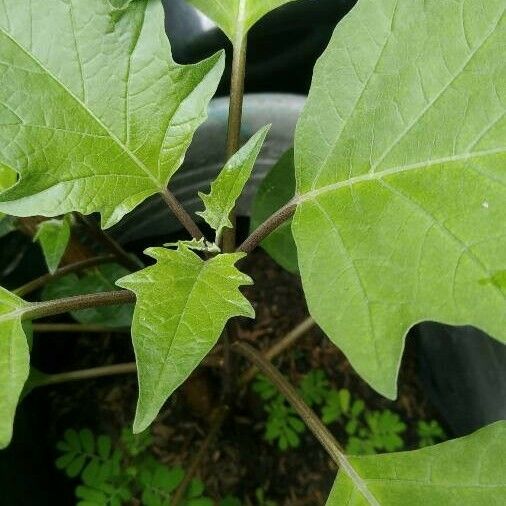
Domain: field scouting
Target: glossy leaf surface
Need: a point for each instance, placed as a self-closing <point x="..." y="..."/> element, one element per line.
<point x="400" y="168"/>
<point x="236" y="16"/>
<point x="468" y="471"/>
<point x="14" y="360"/>
<point x="94" y="113"/>
<point x="183" y="304"/>
<point x="53" y="236"/>
<point x="276" y="189"/>
<point x="229" y="184"/>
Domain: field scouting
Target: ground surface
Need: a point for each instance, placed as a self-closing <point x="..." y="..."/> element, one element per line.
<point x="240" y="461"/>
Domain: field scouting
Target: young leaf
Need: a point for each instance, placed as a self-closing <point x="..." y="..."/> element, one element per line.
<point x="96" y="116"/>
<point x="276" y="189"/>
<point x="400" y="157"/>
<point x="14" y="360"/>
<point x="469" y="471"/>
<point x="53" y="236"/>
<point x="237" y="17"/>
<point x="228" y="186"/>
<point x="183" y="304"/>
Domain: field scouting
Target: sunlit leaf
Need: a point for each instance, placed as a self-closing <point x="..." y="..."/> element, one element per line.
<point x="94" y="113"/>
<point x="401" y="180"/>
<point x="183" y="304"/>
<point x="14" y="360"/>
<point x="469" y="471"/>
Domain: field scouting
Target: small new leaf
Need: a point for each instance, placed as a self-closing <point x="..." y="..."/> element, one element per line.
<point x="228" y="186"/>
<point x="14" y="360"/>
<point x="196" y="245"/>
<point x="100" y="120"/>
<point x="237" y="17"/>
<point x="183" y="304"/>
<point x="466" y="471"/>
<point x="53" y="236"/>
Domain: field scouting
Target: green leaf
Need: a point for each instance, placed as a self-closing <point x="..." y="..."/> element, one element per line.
<point x="237" y="17"/>
<point x="400" y="156"/>
<point x="229" y="184"/>
<point x="53" y="236"/>
<point x="7" y="179"/>
<point x="466" y="471"/>
<point x="14" y="360"/>
<point x="183" y="304"/>
<point x="96" y="280"/>
<point x="276" y="189"/>
<point x="95" y="114"/>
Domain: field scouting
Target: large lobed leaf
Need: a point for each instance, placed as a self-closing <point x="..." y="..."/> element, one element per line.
<point x="183" y="304"/>
<point x="229" y="184"/>
<point x="469" y="471"/>
<point x="94" y="113"/>
<point x="14" y="360"/>
<point x="401" y="176"/>
<point x="237" y="17"/>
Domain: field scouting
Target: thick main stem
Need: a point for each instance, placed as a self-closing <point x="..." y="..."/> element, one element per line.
<point x="310" y="418"/>
<point x="59" y="306"/>
<point x="181" y="214"/>
<point x="235" y="120"/>
<point x="37" y="283"/>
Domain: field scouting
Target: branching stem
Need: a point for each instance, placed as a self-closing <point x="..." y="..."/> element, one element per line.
<point x="37" y="283"/>
<point x="310" y="418"/>
<point x="181" y="214"/>
<point x="59" y="306"/>
<point x="268" y="226"/>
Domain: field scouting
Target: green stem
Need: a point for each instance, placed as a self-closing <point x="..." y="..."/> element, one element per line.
<point x="59" y="306"/>
<point x="83" y="374"/>
<point x="268" y="226"/>
<point x="181" y="214"/>
<point x="235" y="119"/>
<point x="37" y="283"/>
<point x="310" y="418"/>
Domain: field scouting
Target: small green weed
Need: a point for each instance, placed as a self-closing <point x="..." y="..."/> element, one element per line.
<point x="368" y="431"/>
<point x="112" y="473"/>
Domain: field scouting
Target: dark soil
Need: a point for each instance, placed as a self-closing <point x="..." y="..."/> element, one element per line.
<point x="240" y="461"/>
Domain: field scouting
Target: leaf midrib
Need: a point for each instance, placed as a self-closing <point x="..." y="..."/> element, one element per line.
<point x="158" y="186"/>
<point x="375" y="176"/>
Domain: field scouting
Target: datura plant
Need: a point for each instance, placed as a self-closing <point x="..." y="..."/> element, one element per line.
<point x="392" y="209"/>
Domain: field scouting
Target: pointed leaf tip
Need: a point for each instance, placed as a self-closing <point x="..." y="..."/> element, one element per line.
<point x="229" y="184"/>
<point x="183" y="304"/>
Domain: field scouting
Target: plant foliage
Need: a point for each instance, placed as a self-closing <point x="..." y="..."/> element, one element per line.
<point x="400" y="156"/>
<point x="103" y="116"/>
<point x="183" y="304"/>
